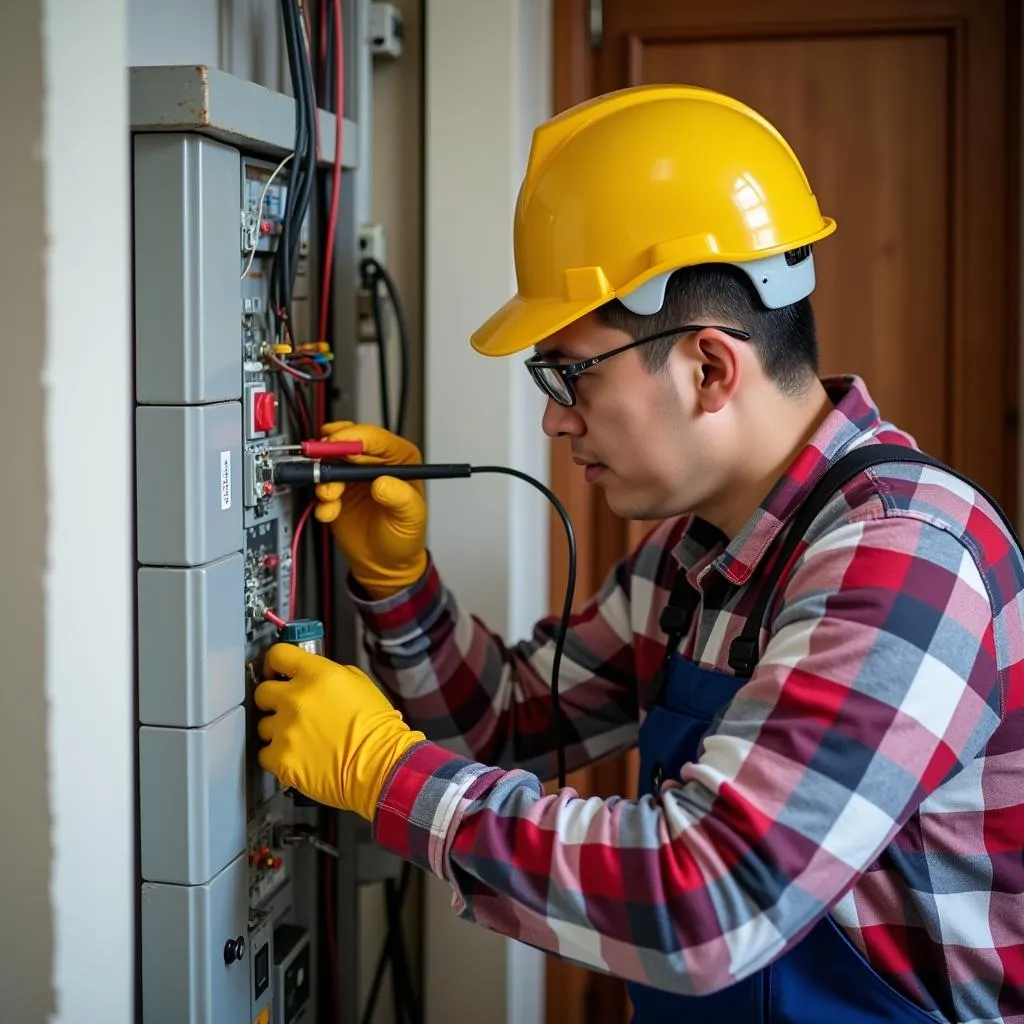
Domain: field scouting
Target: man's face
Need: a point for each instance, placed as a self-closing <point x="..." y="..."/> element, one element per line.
<point x="637" y="433"/>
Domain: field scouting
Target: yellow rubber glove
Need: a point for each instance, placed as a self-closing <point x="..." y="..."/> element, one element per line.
<point x="381" y="526"/>
<point x="331" y="734"/>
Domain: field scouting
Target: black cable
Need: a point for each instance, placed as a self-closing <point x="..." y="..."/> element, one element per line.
<point x="288" y="393"/>
<point x="309" y="102"/>
<point x="332" y="58"/>
<point x="281" y="272"/>
<point x="284" y="267"/>
<point x="570" y="589"/>
<point x="394" y="939"/>
<point x="299" y="472"/>
<point x="304" y="162"/>
<point x="378" y="271"/>
<point x="298" y="396"/>
<point x="406" y="1002"/>
<point x="380" y="334"/>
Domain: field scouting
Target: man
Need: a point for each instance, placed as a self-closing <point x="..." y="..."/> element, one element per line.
<point x="831" y="740"/>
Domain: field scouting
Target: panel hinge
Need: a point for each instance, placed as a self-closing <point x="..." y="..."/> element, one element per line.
<point x="596" y="22"/>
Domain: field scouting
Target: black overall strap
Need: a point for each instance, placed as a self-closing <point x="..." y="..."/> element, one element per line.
<point x="675" y="623"/>
<point x="744" y="650"/>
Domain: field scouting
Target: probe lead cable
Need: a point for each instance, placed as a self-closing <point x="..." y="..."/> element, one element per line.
<point x="306" y="473"/>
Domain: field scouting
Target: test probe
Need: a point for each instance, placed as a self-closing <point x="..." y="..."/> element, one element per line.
<point x="314" y="467"/>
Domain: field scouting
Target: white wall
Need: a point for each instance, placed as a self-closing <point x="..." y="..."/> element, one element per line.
<point x="487" y="82"/>
<point x="241" y="37"/>
<point x="66" y="754"/>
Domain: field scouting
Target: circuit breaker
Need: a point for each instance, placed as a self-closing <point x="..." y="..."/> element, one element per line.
<point x="227" y="916"/>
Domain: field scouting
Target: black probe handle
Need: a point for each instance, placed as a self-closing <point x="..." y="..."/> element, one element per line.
<point x="303" y="474"/>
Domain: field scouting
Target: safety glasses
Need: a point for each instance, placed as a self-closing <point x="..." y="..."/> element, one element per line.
<point x="556" y="379"/>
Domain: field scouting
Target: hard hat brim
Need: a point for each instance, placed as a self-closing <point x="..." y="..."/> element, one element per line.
<point x="523" y="323"/>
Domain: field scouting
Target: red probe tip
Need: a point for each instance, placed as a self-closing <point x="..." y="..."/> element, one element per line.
<point x="275" y="619"/>
<point x="331" y="449"/>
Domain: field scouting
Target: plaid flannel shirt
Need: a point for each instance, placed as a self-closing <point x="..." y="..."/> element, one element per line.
<point x="871" y="768"/>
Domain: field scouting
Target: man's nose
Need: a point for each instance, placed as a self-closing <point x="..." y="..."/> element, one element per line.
<point x="562" y="420"/>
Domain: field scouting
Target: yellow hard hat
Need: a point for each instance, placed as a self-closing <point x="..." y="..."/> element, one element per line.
<point x="625" y="188"/>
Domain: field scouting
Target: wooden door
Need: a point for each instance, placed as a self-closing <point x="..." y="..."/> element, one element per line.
<point x="905" y="115"/>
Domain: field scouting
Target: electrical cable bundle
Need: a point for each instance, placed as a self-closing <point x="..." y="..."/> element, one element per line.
<point x="306" y="364"/>
<point x="301" y="173"/>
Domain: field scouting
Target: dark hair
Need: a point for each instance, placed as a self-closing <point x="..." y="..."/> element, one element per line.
<point x="784" y="338"/>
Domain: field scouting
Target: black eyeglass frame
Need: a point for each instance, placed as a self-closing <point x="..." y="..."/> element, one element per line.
<point x="570" y="371"/>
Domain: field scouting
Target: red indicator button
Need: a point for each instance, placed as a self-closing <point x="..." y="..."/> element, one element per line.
<point x="264" y="411"/>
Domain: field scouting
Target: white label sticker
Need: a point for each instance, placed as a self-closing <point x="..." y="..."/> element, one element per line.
<point x="225" y="480"/>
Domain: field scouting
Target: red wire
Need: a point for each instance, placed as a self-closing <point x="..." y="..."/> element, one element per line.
<point x="325" y="569"/>
<point x="332" y="220"/>
<point x="320" y="402"/>
<point x="329" y="912"/>
<point x="296" y="536"/>
<point x="274" y="618"/>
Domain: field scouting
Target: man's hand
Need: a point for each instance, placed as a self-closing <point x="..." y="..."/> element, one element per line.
<point x="331" y="734"/>
<point x="380" y="526"/>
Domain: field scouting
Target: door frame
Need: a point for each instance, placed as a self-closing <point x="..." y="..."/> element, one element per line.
<point x="571" y="995"/>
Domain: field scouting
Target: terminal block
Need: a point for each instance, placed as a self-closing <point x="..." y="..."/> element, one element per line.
<point x="268" y="864"/>
<point x="262" y="575"/>
<point x="258" y="478"/>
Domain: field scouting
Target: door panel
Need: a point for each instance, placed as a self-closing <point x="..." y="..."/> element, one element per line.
<point x="884" y="276"/>
<point x="904" y="113"/>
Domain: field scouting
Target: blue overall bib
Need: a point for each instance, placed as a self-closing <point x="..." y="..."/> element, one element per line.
<point x="824" y="979"/>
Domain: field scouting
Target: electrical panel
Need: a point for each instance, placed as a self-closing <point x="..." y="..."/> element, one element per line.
<point x="229" y="864"/>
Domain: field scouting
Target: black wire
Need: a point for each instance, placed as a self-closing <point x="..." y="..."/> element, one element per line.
<point x="570" y="589"/>
<point x="405" y="997"/>
<point x="288" y="393"/>
<point x="304" y="161"/>
<point x="382" y="350"/>
<point x="386" y="952"/>
<point x="309" y="101"/>
<point x="303" y="169"/>
<point x="327" y="101"/>
<point x="379" y="272"/>
<point x="327" y="71"/>
<point x="281" y="271"/>
<point x="300" y="400"/>
<point x="394" y="938"/>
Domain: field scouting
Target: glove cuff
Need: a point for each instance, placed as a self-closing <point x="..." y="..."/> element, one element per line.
<point x="380" y="582"/>
<point x="366" y="795"/>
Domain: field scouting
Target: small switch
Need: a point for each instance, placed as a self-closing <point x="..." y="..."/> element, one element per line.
<point x="264" y="411"/>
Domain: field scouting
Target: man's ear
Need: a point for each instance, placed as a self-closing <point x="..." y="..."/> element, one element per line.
<point x="719" y="369"/>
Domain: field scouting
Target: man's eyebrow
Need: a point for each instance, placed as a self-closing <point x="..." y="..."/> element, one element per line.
<point x="552" y="354"/>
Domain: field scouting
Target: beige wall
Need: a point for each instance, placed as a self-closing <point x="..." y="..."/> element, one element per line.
<point x="487" y="73"/>
<point x="451" y="132"/>
<point x="396" y="202"/>
<point x="66" y="805"/>
<point x="397" y="187"/>
<point x="25" y="968"/>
